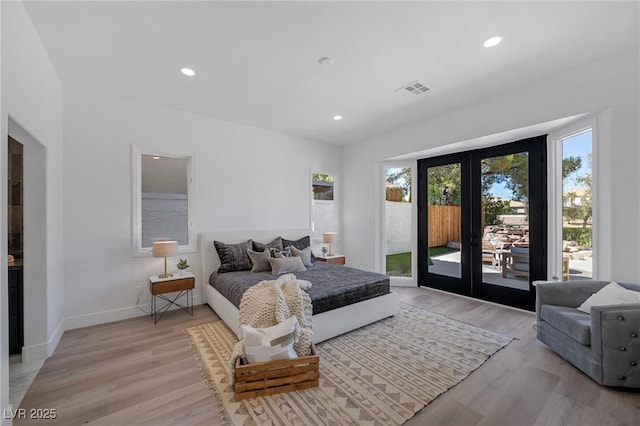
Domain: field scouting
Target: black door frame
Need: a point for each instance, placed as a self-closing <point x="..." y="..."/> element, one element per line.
<point x="451" y="284"/>
<point x="471" y="284"/>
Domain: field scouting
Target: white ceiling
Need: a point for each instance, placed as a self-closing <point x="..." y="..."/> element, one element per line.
<point x="257" y="62"/>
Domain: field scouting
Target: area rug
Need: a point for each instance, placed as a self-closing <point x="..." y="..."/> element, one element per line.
<point x="381" y="374"/>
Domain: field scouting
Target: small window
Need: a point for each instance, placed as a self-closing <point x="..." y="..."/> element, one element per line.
<point x="323" y="204"/>
<point x="398" y="227"/>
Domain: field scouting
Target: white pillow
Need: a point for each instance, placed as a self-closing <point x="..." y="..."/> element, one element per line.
<point x="611" y="294"/>
<point x="271" y="343"/>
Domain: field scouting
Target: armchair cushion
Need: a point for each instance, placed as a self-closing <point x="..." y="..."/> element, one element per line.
<point x="575" y="324"/>
<point x="611" y="294"/>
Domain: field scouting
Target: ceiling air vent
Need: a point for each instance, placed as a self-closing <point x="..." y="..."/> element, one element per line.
<point x="414" y="87"/>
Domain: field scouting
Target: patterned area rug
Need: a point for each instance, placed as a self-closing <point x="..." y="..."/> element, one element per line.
<point x="381" y="374"/>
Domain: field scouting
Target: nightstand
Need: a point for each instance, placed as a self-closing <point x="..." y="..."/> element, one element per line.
<point x="182" y="283"/>
<point x="336" y="259"/>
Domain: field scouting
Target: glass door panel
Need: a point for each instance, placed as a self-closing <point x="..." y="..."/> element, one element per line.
<point x="444" y="252"/>
<point x="509" y="231"/>
<point x="504" y="184"/>
<point x="444" y="227"/>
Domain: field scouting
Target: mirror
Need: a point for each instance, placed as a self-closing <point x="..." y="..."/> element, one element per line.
<point x="162" y="201"/>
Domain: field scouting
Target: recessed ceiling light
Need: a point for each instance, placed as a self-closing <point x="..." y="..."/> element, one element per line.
<point x="492" y="42"/>
<point x="337" y="117"/>
<point x="325" y="61"/>
<point x="188" y="72"/>
<point x="156" y="158"/>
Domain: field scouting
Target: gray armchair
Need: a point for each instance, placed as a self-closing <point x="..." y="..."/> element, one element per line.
<point x="604" y="345"/>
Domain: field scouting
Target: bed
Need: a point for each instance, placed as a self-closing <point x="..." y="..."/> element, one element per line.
<point x="357" y="310"/>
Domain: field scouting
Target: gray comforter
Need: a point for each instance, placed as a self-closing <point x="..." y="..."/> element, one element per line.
<point x="333" y="286"/>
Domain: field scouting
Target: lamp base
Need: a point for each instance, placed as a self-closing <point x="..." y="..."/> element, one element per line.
<point x="165" y="275"/>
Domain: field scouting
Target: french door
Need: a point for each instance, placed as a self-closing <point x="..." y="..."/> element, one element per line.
<point x="482" y="222"/>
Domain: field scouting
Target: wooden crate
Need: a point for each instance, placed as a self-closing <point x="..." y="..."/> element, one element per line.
<point x="270" y="378"/>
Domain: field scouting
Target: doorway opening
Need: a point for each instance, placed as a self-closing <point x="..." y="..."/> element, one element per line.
<point x="27" y="243"/>
<point x="15" y="234"/>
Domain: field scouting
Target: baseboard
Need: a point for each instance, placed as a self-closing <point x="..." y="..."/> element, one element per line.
<point x="97" y="318"/>
<point x="52" y="344"/>
<point x="402" y="282"/>
<point x="34" y="352"/>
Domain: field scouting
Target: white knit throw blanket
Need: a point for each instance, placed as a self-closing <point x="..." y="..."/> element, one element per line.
<point x="271" y="302"/>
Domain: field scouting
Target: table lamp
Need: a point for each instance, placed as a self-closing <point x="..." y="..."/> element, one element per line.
<point x="329" y="238"/>
<point x="165" y="249"/>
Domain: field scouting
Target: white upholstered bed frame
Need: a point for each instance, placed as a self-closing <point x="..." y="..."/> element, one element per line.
<point x="325" y="325"/>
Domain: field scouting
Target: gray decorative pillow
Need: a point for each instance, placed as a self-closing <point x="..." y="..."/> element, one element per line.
<point x="277" y="243"/>
<point x="260" y="260"/>
<point x="305" y="255"/>
<point x="286" y="265"/>
<point x="233" y="257"/>
<point x="280" y="253"/>
<point x="300" y="244"/>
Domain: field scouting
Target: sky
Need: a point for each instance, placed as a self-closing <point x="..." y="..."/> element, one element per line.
<point x="577" y="146"/>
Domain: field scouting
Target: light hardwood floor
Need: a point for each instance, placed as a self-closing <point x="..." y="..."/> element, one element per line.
<point x="134" y="372"/>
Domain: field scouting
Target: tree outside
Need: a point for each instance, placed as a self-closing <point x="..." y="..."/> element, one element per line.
<point x="401" y="176"/>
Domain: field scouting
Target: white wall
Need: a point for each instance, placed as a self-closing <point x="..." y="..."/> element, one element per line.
<point x="32" y="105"/>
<point x="246" y="178"/>
<point x="609" y="86"/>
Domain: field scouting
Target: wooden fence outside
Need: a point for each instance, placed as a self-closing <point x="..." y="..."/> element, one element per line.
<point x="444" y="225"/>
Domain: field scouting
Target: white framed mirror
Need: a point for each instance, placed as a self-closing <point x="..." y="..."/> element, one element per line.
<point x="163" y="201"/>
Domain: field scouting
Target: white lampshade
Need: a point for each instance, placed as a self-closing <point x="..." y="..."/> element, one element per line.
<point x="165" y="248"/>
<point x="329" y="237"/>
